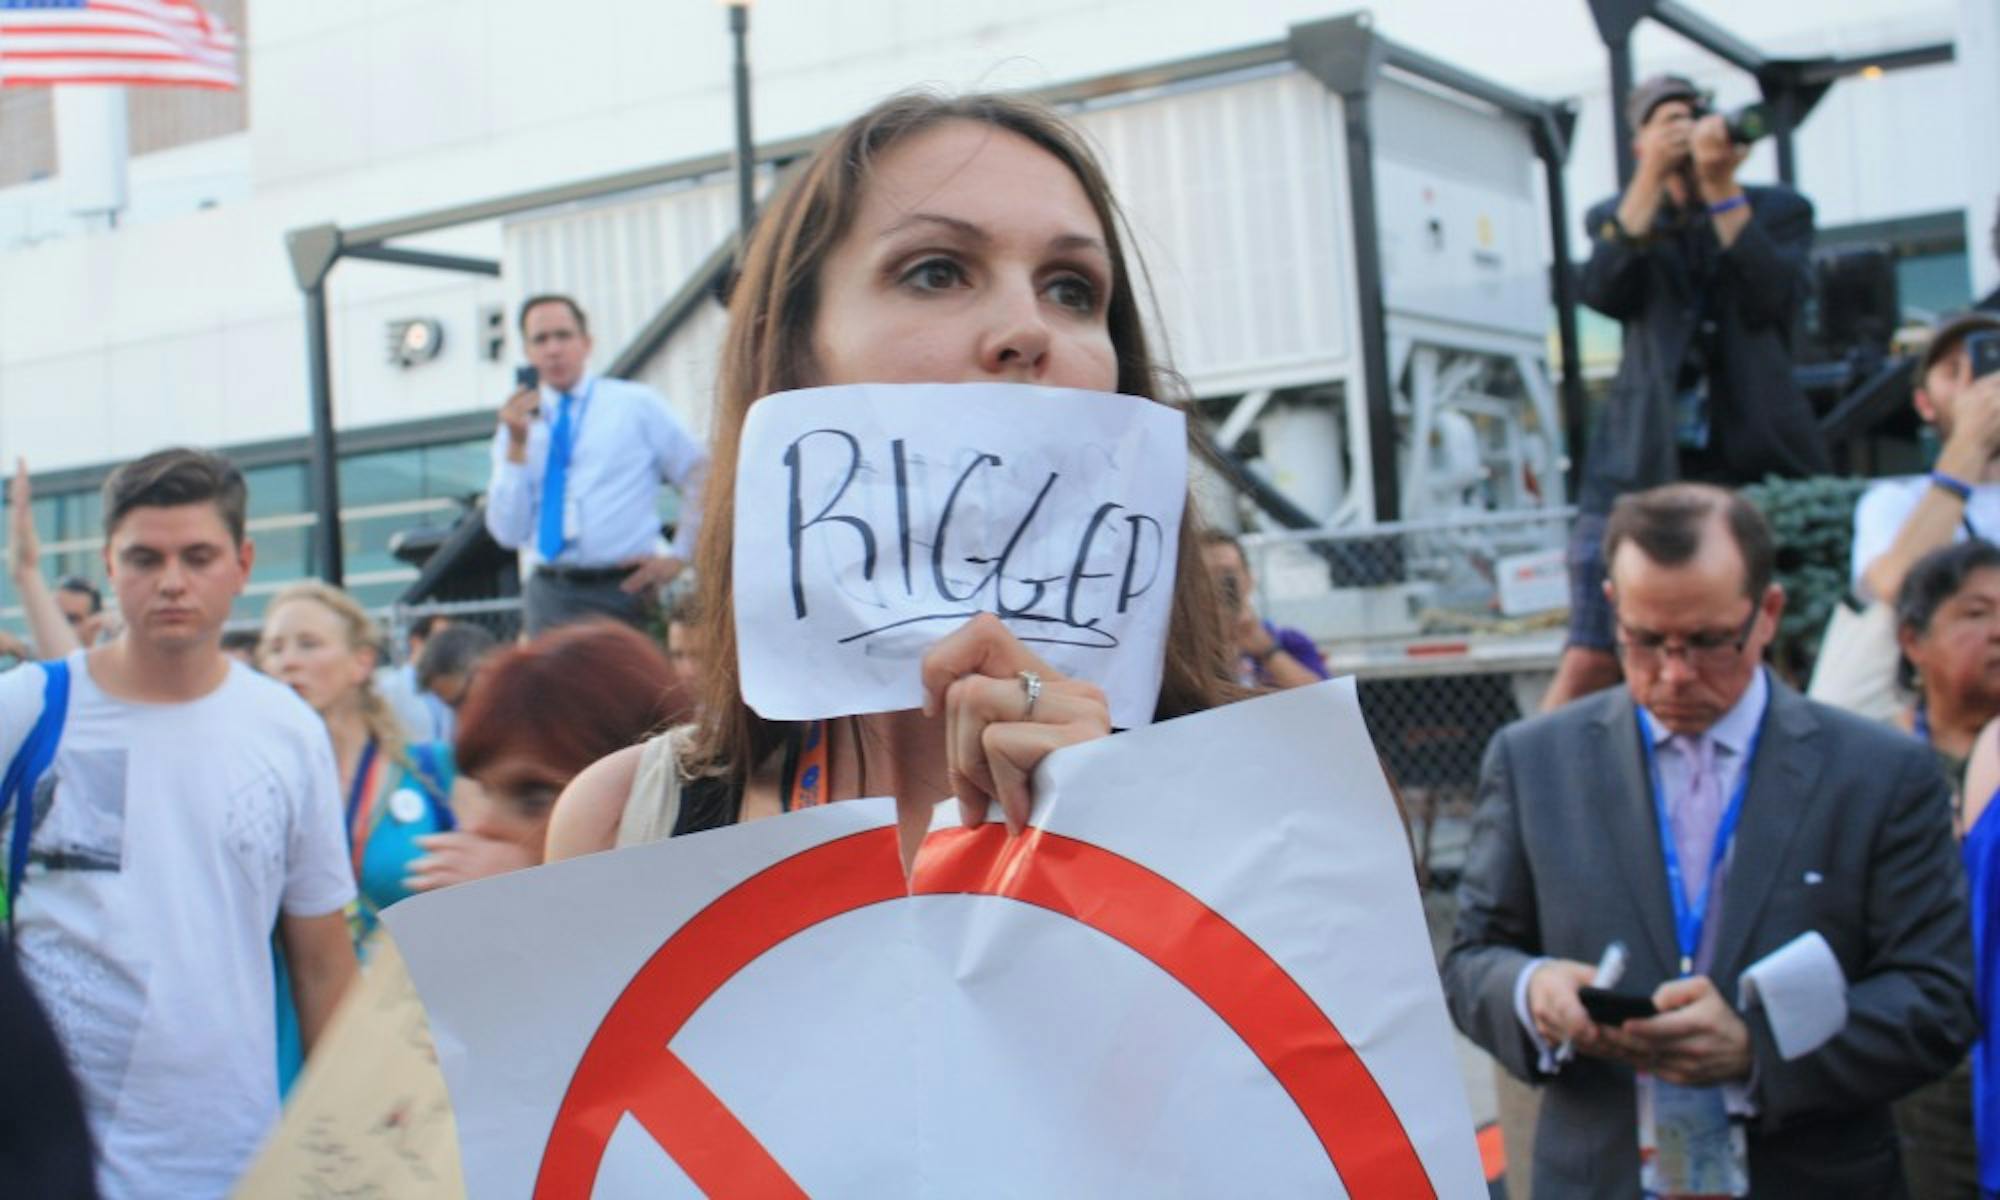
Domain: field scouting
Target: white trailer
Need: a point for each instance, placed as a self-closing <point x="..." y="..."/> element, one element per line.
<point x="1348" y="248"/>
<point x="1356" y="256"/>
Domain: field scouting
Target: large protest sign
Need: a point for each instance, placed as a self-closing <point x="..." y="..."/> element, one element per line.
<point x="872" y="520"/>
<point x="1199" y="973"/>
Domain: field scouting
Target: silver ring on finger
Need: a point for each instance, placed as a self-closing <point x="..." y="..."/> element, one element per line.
<point x="1031" y="684"/>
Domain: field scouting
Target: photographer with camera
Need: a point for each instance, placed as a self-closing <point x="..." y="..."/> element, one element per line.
<point x="1899" y="521"/>
<point x="1708" y="277"/>
<point x="1267" y="655"/>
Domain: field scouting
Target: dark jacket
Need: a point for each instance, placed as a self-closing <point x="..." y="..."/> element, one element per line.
<point x="1761" y="423"/>
<point x="1846" y="830"/>
<point x="44" y="1144"/>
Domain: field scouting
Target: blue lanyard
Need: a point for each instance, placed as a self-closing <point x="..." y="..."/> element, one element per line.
<point x="1920" y="725"/>
<point x="1691" y="912"/>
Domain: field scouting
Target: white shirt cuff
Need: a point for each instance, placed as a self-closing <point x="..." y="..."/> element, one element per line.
<point x="1548" y="1059"/>
<point x="1803" y="991"/>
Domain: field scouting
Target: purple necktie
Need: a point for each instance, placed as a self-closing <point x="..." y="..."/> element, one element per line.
<point x="1694" y="814"/>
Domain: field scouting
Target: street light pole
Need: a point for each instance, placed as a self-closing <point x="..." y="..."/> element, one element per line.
<point x="746" y="150"/>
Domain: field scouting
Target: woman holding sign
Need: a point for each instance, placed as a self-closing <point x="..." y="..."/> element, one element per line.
<point x="930" y="241"/>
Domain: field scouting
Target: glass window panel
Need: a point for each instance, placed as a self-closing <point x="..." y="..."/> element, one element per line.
<point x="366" y="542"/>
<point x="48" y="520"/>
<point x="381" y="478"/>
<point x="1933" y="283"/>
<point x="276" y="490"/>
<point x="81" y="563"/>
<point x="69" y="514"/>
<point x="249" y="609"/>
<point x="377" y="596"/>
<point x="282" y="555"/>
<point x="89" y="514"/>
<point x="457" y="469"/>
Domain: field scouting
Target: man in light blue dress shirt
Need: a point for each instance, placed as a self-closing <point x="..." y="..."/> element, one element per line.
<point x="577" y="465"/>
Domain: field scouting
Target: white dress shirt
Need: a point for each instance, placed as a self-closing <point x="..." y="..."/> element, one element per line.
<point x="624" y="444"/>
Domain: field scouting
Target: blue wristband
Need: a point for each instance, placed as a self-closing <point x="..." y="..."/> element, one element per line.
<point x="1953" y="484"/>
<point x="1739" y="200"/>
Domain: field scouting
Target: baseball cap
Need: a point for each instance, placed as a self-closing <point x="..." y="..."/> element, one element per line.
<point x="1950" y="332"/>
<point x="1648" y="94"/>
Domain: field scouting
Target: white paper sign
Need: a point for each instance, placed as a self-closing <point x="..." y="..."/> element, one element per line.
<point x="872" y="520"/>
<point x="1199" y="974"/>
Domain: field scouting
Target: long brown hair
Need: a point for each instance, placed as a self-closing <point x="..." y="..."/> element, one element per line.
<point x="768" y="348"/>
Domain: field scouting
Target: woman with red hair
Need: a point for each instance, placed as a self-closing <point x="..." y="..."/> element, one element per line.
<point x="535" y="716"/>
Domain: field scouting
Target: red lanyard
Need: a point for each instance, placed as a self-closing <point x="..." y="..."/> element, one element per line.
<point x="362" y="802"/>
<point x="807" y="783"/>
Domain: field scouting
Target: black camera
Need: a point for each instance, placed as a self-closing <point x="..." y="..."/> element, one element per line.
<point x="1982" y="349"/>
<point x="1745" y="124"/>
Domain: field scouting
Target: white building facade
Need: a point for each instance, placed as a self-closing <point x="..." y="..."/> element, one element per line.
<point x="183" y="323"/>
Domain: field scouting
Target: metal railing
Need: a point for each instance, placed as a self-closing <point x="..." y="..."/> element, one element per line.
<point x="1446" y="648"/>
<point x="501" y="615"/>
<point x="1418" y="578"/>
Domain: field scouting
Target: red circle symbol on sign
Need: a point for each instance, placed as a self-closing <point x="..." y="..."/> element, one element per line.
<point x="629" y="1066"/>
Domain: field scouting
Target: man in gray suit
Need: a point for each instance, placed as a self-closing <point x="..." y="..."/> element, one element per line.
<point x="1781" y="817"/>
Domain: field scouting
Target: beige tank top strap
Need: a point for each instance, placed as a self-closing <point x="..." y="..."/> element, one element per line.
<point x="654" y="804"/>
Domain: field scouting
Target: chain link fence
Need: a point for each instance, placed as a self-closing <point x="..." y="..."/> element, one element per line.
<point x="1452" y="628"/>
<point x="499" y="616"/>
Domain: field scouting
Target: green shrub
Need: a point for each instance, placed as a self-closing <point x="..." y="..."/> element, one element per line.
<point x="1813" y="520"/>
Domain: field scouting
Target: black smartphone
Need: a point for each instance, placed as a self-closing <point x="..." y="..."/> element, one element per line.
<point x="1607" y="1007"/>
<point x="1983" y="350"/>
<point x="527" y="377"/>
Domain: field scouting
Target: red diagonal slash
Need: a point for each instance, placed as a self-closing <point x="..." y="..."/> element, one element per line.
<point x="627" y="1067"/>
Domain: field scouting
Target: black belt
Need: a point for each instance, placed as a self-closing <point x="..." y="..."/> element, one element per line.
<point x="582" y="574"/>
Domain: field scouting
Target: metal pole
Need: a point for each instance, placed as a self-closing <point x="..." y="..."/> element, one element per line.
<point x="1575" y="411"/>
<point x="1786" y="109"/>
<point x="323" y="469"/>
<point x="1374" y="328"/>
<point x="1621" y="87"/>
<point x="746" y="150"/>
<point x="1574" y="404"/>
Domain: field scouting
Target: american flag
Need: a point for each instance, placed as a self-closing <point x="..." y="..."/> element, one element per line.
<point x="159" y="43"/>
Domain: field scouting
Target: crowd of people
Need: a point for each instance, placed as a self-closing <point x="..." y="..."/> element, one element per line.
<point x="1678" y="870"/>
<point x="1683" y="866"/>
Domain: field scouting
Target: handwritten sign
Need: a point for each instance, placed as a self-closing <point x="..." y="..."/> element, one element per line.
<point x="369" y="1117"/>
<point x="1148" y="993"/>
<point x="873" y="520"/>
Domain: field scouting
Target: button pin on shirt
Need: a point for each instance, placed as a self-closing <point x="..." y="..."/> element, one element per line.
<point x="1814" y="877"/>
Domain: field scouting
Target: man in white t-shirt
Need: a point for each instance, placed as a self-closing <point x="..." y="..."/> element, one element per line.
<point x="1898" y="521"/>
<point x="191" y="808"/>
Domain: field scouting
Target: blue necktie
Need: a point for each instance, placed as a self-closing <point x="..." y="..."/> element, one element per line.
<point x="549" y="537"/>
